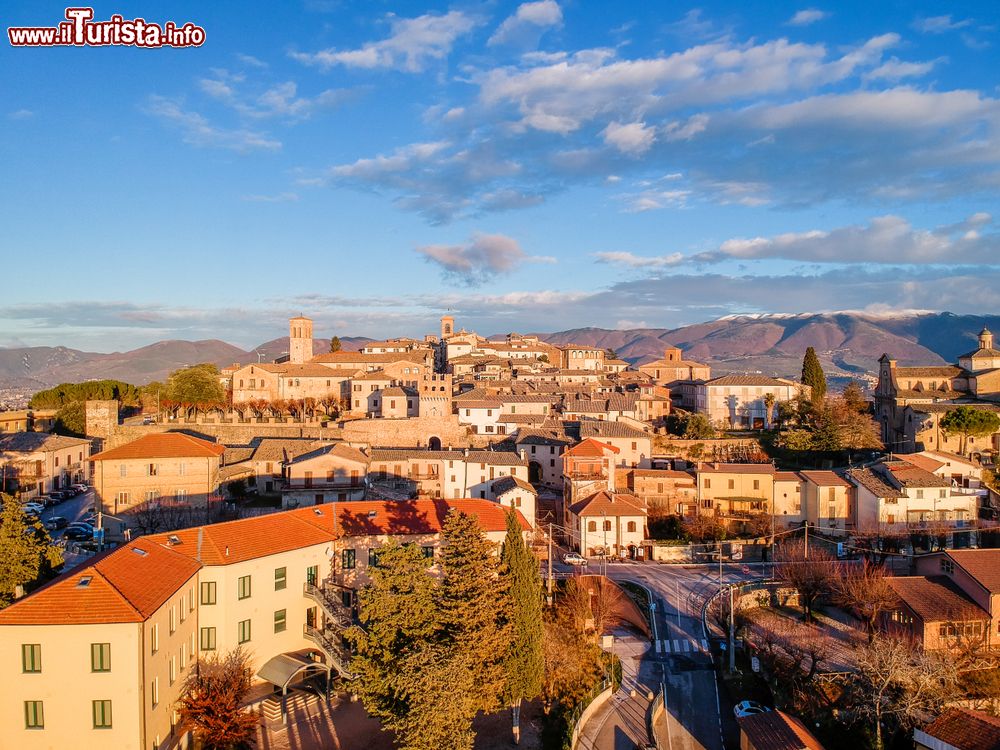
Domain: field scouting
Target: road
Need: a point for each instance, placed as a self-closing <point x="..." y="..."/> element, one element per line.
<point x="72" y="510"/>
<point x="679" y="660"/>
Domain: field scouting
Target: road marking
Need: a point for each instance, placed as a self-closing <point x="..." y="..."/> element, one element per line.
<point x="704" y="645"/>
<point x="659" y="646"/>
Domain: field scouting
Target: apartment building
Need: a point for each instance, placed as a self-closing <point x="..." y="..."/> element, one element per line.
<point x="34" y="463"/>
<point x="608" y="522"/>
<point x="331" y="472"/>
<point x="166" y="467"/>
<point x="96" y="658"/>
<point x="674" y="368"/>
<point x="739" y="400"/>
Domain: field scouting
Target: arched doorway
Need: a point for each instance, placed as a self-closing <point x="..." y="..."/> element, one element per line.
<point x="534" y="472"/>
<point x="434" y="443"/>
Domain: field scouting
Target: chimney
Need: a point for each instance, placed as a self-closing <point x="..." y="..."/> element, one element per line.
<point x="227" y="550"/>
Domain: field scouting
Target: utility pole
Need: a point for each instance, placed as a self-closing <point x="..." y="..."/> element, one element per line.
<point x="549" y="583"/>
<point x="732" y="633"/>
<point x="807" y="541"/>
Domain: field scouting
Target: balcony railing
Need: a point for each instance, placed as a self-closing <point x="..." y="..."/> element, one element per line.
<point x="329" y="642"/>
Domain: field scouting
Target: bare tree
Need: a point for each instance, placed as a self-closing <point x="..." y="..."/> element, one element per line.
<point x="865" y="589"/>
<point x="898" y="684"/>
<point x="212" y="701"/>
<point x="811" y="575"/>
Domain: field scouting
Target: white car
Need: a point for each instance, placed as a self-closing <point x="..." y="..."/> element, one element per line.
<point x="749" y="708"/>
<point x="574" y="559"/>
<point x="33" y="509"/>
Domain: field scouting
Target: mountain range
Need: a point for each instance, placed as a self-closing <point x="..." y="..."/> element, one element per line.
<point x="848" y="344"/>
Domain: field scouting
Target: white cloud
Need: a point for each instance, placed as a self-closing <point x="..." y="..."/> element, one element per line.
<point x="278" y="198"/>
<point x="940" y="24"/>
<point x="20" y="114"/>
<point x="280" y="100"/>
<point x="198" y="131"/>
<point x="884" y="240"/>
<point x="631" y="260"/>
<point x="633" y="138"/>
<point x="527" y="20"/>
<point x="481" y="259"/>
<point x="895" y="69"/>
<point x="251" y="61"/>
<point x="807" y="16"/>
<point x="412" y="44"/>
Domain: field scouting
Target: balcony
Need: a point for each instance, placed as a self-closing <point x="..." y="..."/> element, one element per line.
<point x="338" y="617"/>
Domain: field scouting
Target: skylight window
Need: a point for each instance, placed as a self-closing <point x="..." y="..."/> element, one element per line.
<point x="84" y="582"/>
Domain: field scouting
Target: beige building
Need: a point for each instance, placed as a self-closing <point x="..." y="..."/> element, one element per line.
<point x="331" y="472"/>
<point x="96" y="659"/>
<point x="168" y="467"/>
<point x="290" y="382"/>
<point x="827" y="501"/>
<point x="576" y="357"/>
<point x="736" y="493"/>
<point x="674" y="368"/>
<point x="34" y="463"/>
<point x="739" y="400"/>
<point x="612" y="523"/>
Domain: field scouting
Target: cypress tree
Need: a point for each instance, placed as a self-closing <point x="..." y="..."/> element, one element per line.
<point x="812" y="375"/>
<point x="524" y="661"/>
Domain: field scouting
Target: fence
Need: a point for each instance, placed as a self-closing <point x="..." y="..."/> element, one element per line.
<point x="586" y="708"/>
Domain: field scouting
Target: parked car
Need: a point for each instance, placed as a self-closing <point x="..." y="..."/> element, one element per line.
<point x="749" y="708"/>
<point x="79" y="532"/>
<point x="33" y="509"/>
<point x="59" y="495"/>
<point x="56" y="522"/>
<point x="81" y="487"/>
<point x="48" y="500"/>
<point x="572" y="558"/>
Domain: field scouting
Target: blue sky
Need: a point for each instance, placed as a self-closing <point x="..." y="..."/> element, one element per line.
<point x="532" y="166"/>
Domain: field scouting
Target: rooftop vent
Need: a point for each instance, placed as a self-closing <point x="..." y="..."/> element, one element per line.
<point x="174" y="539"/>
<point x="372" y="514"/>
<point x="317" y="511"/>
<point x="83" y="582"/>
<point x="140" y="552"/>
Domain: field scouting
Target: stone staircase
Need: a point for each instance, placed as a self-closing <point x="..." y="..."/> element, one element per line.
<point x="297" y="701"/>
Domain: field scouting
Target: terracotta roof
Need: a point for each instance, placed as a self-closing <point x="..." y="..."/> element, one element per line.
<point x="964" y="729"/>
<point x="941" y="408"/>
<point x="376" y="375"/>
<point x="936" y="599"/>
<point x="337" y="449"/>
<point x="601" y="429"/>
<point x="127" y="584"/>
<point x="787" y="476"/>
<point x="495" y="458"/>
<point x="30" y="442"/>
<point x="718" y="468"/>
<point x="776" y="730"/>
<point x="942" y="371"/>
<point x="874" y="483"/>
<point x="759" y="380"/>
<point x="663" y="474"/>
<point x="908" y="475"/>
<point x="825" y="478"/>
<point x="508" y="483"/>
<point x="981" y="564"/>
<point x="674" y="363"/>
<point x="610" y="504"/>
<point x="305" y="370"/>
<point x="981" y="354"/>
<point x="419" y="356"/>
<point x="374" y="517"/>
<point x="162" y="445"/>
<point x="277" y="450"/>
<point x="923" y="462"/>
<point x="591" y="447"/>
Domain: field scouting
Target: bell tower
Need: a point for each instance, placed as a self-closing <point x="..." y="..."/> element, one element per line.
<point x="300" y="340"/>
<point x="447" y="326"/>
<point x="985" y="338"/>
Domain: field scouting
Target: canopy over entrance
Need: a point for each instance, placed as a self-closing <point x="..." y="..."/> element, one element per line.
<point x="281" y="669"/>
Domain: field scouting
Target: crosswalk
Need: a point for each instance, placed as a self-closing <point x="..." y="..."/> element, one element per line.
<point x="681" y="646"/>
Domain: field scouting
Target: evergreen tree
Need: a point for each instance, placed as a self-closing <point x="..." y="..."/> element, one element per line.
<point x="812" y="375"/>
<point x="524" y="662"/>
<point x="198" y="384"/>
<point x="335" y="344"/>
<point x="27" y="555"/>
<point x="470" y="589"/>
<point x="969" y="422"/>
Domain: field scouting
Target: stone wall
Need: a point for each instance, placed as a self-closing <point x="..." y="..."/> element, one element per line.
<point x="416" y="431"/>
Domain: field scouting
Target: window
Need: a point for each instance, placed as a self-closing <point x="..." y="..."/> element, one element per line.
<point x="184" y="653"/>
<point x="243" y="587"/>
<point x="312" y="574"/>
<point x="123" y="470"/>
<point x="607" y="525"/>
<point x="191" y="599"/>
<point x="428" y="552"/>
<point x="756" y="484"/>
<point x="631" y="525"/>
<point x="172" y="671"/>
<point x="920" y="494"/>
<point x="102" y="714"/>
<point x="243" y="631"/>
<point x="154" y="692"/>
<point x="100" y="657"/>
<point x="31" y="657"/>
<point x="183" y="610"/>
<point x="180" y="468"/>
<point x="947" y="566"/>
<point x="208" y="592"/>
<point x="151" y="495"/>
<point x="591" y="525"/>
<point x="151" y="470"/>
<point x="708" y="483"/>
<point x="123" y="498"/>
<point x="280" y="621"/>
<point x="348" y="559"/>
<point x="372" y="558"/>
<point x="732" y="484"/>
<point x="280" y="579"/>
<point x="180" y="494"/>
<point x="208" y="639"/>
<point x="154" y="638"/>
<point x="34" y="716"/>
<point x="173" y="620"/>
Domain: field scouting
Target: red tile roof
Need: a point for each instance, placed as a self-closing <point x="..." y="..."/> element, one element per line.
<point x="610" y="504"/>
<point x="981" y="564"/>
<point x="128" y="584"/>
<point x="162" y="445"/>
<point x="825" y="478"/>
<point x="936" y="599"/>
<point x="776" y="730"/>
<point x="964" y="729"/>
<point x="923" y="462"/>
<point x="591" y="447"/>
<point x="394" y="517"/>
<point x="736" y="469"/>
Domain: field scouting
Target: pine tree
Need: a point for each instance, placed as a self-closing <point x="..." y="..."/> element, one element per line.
<point x="27" y="555"/>
<point x="335" y="344"/>
<point x="524" y="662"/>
<point x="812" y="375"/>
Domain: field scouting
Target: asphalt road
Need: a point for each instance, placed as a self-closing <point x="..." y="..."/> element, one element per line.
<point x="72" y="509"/>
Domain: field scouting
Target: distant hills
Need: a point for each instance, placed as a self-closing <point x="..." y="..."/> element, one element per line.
<point x="847" y="343"/>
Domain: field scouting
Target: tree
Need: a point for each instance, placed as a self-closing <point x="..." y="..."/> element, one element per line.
<point x="865" y="589"/>
<point x="769" y="399"/>
<point x="809" y="574"/>
<point x="970" y="422"/>
<point x="812" y="375"/>
<point x="196" y="386"/>
<point x="27" y="554"/>
<point x="102" y="390"/>
<point x="335" y="344"/>
<point x="71" y="419"/>
<point x="691" y="426"/>
<point x="211" y="703"/>
<point x="610" y="353"/>
<point x="898" y="684"/>
<point x="524" y="662"/>
<point x="854" y="397"/>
